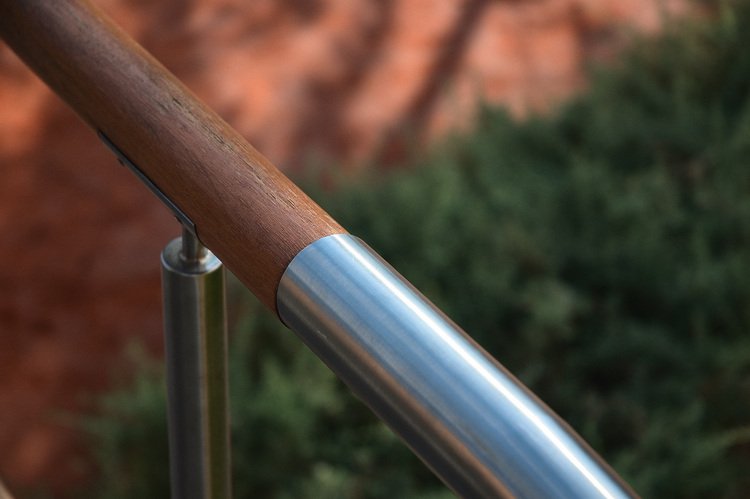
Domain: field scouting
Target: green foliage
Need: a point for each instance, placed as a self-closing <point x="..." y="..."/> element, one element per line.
<point x="131" y="442"/>
<point x="601" y="254"/>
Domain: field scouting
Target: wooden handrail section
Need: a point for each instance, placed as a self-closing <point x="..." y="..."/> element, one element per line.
<point x="244" y="209"/>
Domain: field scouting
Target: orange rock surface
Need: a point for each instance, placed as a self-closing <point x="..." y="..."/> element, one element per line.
<point x="321" y="80"/>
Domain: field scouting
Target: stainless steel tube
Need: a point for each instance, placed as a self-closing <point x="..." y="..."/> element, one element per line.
<point x="193" y="285"/>
<point x="469" y="419"/>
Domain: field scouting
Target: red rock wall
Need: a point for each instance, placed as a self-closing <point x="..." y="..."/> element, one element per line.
<point x="323" y="79"/>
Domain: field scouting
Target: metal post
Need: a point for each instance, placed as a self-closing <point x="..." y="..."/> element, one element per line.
<point x="196" y="351"/>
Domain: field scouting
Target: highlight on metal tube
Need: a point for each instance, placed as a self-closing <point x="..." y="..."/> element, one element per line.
<point x="472" y="422"/>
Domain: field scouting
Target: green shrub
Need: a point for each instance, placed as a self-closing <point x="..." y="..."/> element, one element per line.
<point x="602" y="254"/>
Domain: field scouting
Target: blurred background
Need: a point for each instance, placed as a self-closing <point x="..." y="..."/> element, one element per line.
<point x="335" y="86"/>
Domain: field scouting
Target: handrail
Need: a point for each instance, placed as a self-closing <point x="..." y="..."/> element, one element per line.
<point x="470" y="420"/>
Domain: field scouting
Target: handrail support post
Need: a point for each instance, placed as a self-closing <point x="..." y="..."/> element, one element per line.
<point x="193" y="286"/>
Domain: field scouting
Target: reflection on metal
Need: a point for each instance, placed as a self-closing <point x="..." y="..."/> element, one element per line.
<point x="471" y="421"/>
<point x="196" y="350"/>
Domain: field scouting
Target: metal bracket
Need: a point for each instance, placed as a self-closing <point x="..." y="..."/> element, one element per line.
<point x="176" y="211"/>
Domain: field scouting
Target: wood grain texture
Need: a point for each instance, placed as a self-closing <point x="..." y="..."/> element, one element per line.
<point x="245" y="210"/>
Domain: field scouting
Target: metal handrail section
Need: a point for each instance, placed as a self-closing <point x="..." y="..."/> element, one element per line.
<point x="477" y="427"/>
<point x="469" y="419"/>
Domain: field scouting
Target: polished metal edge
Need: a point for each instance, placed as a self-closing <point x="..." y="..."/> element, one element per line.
<point x="474" y="424"/>
<point x="180" y="257"/>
